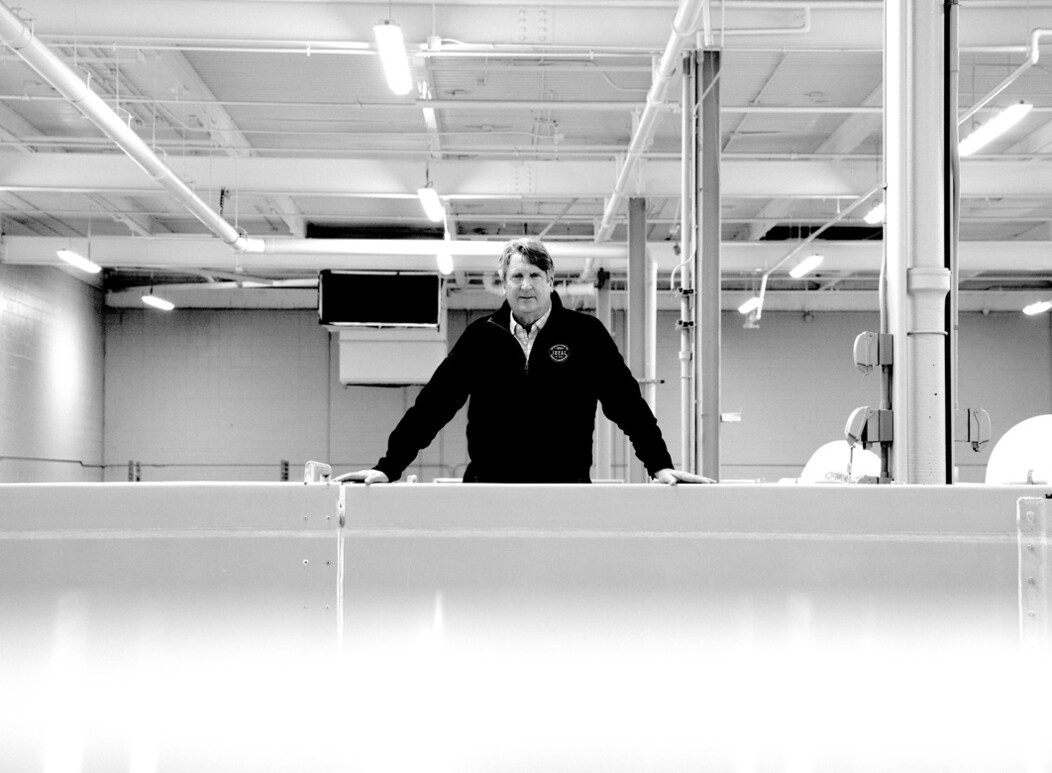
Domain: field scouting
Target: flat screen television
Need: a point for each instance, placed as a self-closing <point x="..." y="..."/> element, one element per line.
<point x="379" y="298"/>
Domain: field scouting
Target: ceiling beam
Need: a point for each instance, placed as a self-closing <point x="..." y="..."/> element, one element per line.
<point x="222" y="128"/>
<point x="583" y="179"/>
<point x="736" y="257"/>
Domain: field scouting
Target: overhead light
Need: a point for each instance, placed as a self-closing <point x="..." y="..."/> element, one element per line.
<point x="806" y="266"/>
<point x="1037" y="308"/>
<point x="158" y="302"/>
<point x="431" y="203"/>
<point x="79" y="261"/>
<point x="430" y="119"/>
<point x="393" y="56"/>
<point x="994" y="128"/>
<point x="445" y="263"/>
<point x="875" y="215"/>
<point x="750" y="305"/>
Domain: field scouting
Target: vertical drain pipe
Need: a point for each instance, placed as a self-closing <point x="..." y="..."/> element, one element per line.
<point x="918" y="279"/>
<point x="687" y="459"/>
<point x="953" y="231"/>
<point x="707" y="340"/>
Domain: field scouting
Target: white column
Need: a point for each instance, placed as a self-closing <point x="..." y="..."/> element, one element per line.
<point x="914" y="236"/>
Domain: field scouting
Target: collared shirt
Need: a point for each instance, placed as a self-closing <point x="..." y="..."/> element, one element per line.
<point x="526" y="337"/>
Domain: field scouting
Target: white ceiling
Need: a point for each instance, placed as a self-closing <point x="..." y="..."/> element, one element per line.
<point x="276" y="113"/>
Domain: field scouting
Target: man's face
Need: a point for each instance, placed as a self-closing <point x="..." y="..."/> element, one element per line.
<point x="529" y="290"/>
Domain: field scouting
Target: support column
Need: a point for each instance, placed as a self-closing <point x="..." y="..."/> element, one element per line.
<point x="914" y="237"/>
<point x="636" y="313"/>
<point x="604" y="428"/>
<point x="707" y="265"/>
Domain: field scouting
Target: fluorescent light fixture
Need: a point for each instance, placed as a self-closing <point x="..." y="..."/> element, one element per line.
<point x="432" y="205"/>
<point x="750" y="305"/>
<point x="806" y="266"/>
<point x="1037" y="308"/>
<point x="430" y="119"/>
<point x="994" y="128"/>
<point x="158" y="303"/>
<point x="393" y="56"/>
<point x="875" y="215"/>
<point x="445" y="263"/>
<point x="79" y="261"/>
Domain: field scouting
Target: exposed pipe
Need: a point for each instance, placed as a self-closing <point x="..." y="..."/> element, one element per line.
<point x="682" y="29"/>
<point x="425" y="247"/>
<point x="952" y="188"/>
<point x="686" y="282"/>
<point x="1033" y="55"/>
<point x="708" y="263"/>
<point x="811" y="237"/>
<point x="20" y="39"/>
<point x="914" y="238"/>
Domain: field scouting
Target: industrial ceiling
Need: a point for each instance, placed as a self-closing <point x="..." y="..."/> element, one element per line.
<point x="277" y="116"/>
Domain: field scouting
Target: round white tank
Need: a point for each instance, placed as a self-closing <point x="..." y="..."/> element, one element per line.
<point x="1023" y="454"/>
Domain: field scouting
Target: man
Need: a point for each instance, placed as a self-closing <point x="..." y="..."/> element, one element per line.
<point x="532" y="374"/>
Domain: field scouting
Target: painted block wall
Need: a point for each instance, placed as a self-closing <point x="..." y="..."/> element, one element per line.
<point x="51" y="376"/>
<point x="215" y="395"/>
<point x="795" y="383"/>
<point x="1005" y="367"/>
<point x="229" y="394"/>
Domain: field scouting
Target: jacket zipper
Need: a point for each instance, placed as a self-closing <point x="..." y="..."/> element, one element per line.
<point x="526" y="365"/>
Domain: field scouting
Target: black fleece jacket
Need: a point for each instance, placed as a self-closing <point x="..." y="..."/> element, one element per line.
<point x="546" y="437"/>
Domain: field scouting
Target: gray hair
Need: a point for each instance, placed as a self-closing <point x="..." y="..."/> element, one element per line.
<point x="532" y="252"/>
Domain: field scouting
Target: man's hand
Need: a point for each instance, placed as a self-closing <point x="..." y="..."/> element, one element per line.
<point x="362" y="476"/>
<point x="671" y="477"/>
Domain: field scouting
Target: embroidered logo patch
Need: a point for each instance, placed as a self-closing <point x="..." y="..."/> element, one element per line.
<point x="559" y="353"/>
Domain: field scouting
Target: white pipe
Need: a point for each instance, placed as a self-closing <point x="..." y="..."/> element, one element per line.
<point x="686" y="283"/>
<point x="1033" y="55"/>
<point x="917" y="280"/>
<point x="814" y="235"/>
<point x="20" y="38"/>
<point x="682" y="29"/>
<point x="425" y="247"/>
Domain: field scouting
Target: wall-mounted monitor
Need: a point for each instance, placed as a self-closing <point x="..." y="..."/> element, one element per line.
<point x="379" y="299"/>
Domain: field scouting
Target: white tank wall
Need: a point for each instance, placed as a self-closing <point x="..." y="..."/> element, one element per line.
<point x="199" y="627"/>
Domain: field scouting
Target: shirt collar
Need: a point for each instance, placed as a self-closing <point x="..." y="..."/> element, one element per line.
<point x="514" y="326"/>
